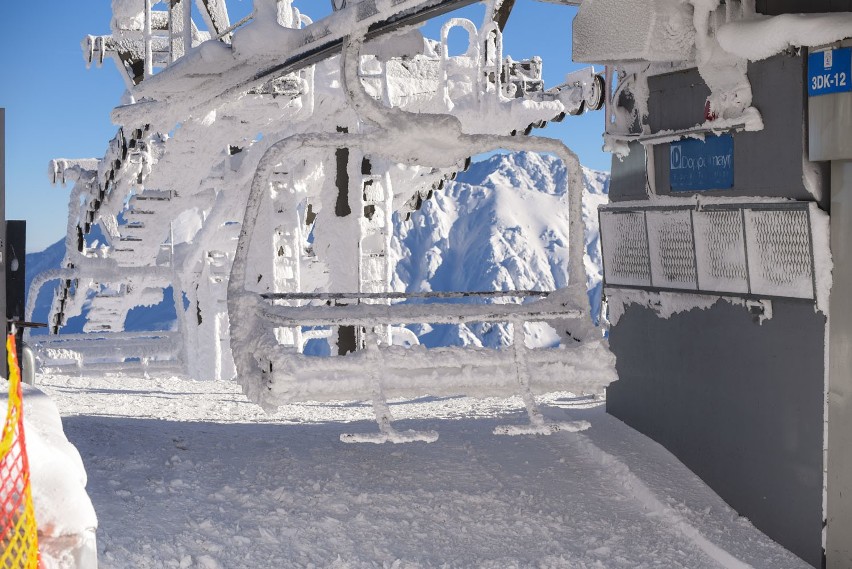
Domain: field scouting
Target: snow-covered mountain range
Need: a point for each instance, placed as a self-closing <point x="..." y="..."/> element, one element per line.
<point x="502" y="225"/>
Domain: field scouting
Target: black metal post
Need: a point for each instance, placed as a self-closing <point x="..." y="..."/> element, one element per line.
<point x="3" y="234"/>
<point x="16" y="270"/>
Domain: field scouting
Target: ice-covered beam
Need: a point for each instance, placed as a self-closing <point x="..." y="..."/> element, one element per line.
<point x="61" y="170"/>
<point x="262" y="52"/>
<point x="215" y="15"/>
<point x="502" y="11"/>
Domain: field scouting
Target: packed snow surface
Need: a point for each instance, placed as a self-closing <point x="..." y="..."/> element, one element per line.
<point x="190" y="474"/>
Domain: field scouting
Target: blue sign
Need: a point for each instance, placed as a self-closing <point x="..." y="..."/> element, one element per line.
<point x="830" y="71"/>
<point x="698" y="165"/>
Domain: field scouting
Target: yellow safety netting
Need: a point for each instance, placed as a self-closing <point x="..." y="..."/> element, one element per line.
<point x="19" y="537"/>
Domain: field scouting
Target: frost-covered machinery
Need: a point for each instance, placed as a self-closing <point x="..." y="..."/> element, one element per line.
<point x="256" y="176"/>
<point x="261" y="164"/>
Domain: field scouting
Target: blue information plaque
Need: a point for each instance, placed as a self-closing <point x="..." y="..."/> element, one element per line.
<point x="698" y="165"/>
<point x="830" y="72"/>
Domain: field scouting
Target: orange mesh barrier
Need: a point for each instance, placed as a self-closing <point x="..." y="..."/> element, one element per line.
<point x="19" y="538"/>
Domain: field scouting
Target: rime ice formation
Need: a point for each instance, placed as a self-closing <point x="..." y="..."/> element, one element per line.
<point x="256" y="175"/>
<point x="261" y="164"/>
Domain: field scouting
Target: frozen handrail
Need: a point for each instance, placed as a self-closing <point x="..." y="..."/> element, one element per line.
<point x="380" y="314"/>
<point x="401" y="295"/>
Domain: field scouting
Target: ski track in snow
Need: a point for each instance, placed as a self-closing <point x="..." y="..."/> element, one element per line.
<point x="191" y="475"/>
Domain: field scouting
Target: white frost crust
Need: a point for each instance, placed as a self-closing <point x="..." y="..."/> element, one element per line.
<point x="474" y="372"/>
<point x="700" y="201"/>
<point x="667" y="304"/>
<point x="656" y="30"/>
<point x="664" y="304"/>
<point x="547" y="428"/>
<point x="763" y="37"/>
<point x="823" y="264"/>
<point x="724" y="73"/>
<point x="65" y="515"/>
<point x="811" y="175"/>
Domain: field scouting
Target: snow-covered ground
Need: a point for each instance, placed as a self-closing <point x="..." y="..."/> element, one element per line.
<point x="190" y="474"/>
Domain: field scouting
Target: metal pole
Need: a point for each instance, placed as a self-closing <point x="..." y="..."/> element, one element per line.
<point x="838" y="513"/>
<point x="187" y="25"/>
<point x="3" y="235"/>
<point x="149" y="58"/>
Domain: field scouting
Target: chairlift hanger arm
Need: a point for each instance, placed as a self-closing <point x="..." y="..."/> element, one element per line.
<point x="411" y="17"/>
<point x="502" y="13"/>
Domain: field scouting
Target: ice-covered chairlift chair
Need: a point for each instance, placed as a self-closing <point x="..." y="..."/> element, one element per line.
<point x="274" y="375"/>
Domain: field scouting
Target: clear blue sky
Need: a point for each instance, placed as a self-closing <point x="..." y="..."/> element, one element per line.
<point x="56" y="108"/>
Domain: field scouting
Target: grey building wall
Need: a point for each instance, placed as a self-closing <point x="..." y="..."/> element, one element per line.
<point x="740" y="403"/>
<point x="775" y="7"/>
<point x="629" y="177"/>
<point x="767" y="162"/>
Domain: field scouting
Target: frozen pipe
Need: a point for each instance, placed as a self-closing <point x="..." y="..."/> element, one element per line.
<point x="519" y="351"/>
<point x="108" y="273"/>
<point x="472" y="36"/>
<point x="83" y="339"/>
<point x="608" y="102"/>
<point x="388" y="205"/>
<point x="186" y="6"/>
<point x="476" y="372"/>
<point x="725" y="73"/>
<point x="397" y="314"/>
<point x="81" y="187"/>
<point x="171" y="32"/>
<point x="472" y="52"/>
<point x="39" y="281"/>
<point x="149" y="57"/>
<point x="497" y="65"/>
<point x="247" y="331"/>
<point x="177" y="300"/>
<point x="233" y="27"/>
<point x="365" y="106"/>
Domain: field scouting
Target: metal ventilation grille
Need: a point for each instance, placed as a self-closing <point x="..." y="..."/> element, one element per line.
<point x="672" y="249"/>
<point x="763" y="249"/>
<point x="625" y="252"/>
<point x="720" y="235"/>
<point x="781" y="260"/>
